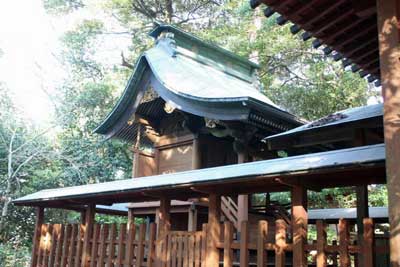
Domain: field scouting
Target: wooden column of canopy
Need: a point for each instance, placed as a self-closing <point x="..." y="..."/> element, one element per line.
<point x="243" y="200"/>
<point x="214" y="231"/>
<point x="299" y="225"/>
<point x="389" y="52"/>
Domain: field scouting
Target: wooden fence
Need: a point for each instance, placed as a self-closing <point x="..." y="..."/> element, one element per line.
<point x="110" y="245"/>
<point x="185" y="248"/>
<point x="317" y="252"/>
<point x="115" y="245"/>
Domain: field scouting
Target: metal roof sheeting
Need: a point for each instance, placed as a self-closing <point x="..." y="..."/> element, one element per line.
<point x="281" y="166"/>
<point x="349" y="115"/>
<point x="345" y="213"/>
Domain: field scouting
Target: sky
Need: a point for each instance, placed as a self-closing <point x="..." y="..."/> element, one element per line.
<point x="29" y="40"/>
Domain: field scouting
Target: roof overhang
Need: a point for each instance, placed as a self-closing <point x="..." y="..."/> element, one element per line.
<point x="347" y="167"/>
<point x="339" y="126"/>
<point x="347" y="28"/>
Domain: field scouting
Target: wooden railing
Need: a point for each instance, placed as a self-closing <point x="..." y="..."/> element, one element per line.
<point x="110" y="245"/>
<point x="230" y="210"/>
<point x="185" y="249"/>
<point x="115" y="245"/>
<point x="317" y="252"/>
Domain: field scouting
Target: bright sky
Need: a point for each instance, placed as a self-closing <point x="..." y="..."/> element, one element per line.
<point x="28" y="39"/>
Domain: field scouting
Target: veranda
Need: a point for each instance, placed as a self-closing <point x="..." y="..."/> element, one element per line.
<point x="279" y="243"/>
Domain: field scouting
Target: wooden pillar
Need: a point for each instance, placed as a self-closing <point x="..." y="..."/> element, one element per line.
<point x="299" y="225"/>
<point x="389" y="52"/>
<point x="36" y="235"/>
<point x="362" y="208"/>
<point x="131" y="217"/>
<point x="88" y="229"/>
<point x="214" y="231"/>
<point x="196" y="154"/>
<point x="192" y="219"/>
<point x="243" y="200"/>
<point x="164" y="216"/>
<point x="361" y="196"/>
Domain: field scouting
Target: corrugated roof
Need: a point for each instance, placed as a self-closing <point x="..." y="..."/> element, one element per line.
<point x="342" y="117"/>
<point x="283" y="166"/>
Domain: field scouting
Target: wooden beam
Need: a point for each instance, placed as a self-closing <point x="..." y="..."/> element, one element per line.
<point x="364" y="8"/>
<point x="214" y="231"/>
<point x="39" y="213"/>
<point x="164" y="218"/>
<point x="389" y="50"/>
<point x="299" y="225"/>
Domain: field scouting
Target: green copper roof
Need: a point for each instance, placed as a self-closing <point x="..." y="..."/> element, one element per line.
<point x="198" y="78"/>
<point x="204" y="48"/>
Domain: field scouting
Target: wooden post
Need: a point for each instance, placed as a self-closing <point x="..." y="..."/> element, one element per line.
<point x="321" y="243"/>
<point x="244" y="246"/>
<point x="164" y="226"/>
<point x="362" y="212"/>
<point x="192" y="219"/>
<point x="243" y="200"/>
<point x="87" y="233"/>
<point x="361" y="196"/>
<point x="95" y="245"/>
<point x="389" y="52"/>
<point x="299" y="225"/>
<point x="228" y="253"/>
<point x="214" y="207"/>
<point x="151" y="245"/>
<point x="196" y="154"/>
<point x="280" y="243"/>
<point x="36" y="235"/>
<point x="344" y="242"/>
<point x="164" y="217"/>
<point x="368" y="244"/>
<point x="131" y="218"/>
<point x="129" y="247"/>
<point x="261" y="239"/>
<point x="121" y="243"/>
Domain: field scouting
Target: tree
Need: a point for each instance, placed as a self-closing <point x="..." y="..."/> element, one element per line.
<point x="23" y="148"/>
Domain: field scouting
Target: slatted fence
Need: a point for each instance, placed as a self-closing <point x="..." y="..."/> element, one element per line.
<point x="186" y="249"/>
<point x="110" y="245"/>
<point x="120" y="245"/>
<point x="279" y="253"/>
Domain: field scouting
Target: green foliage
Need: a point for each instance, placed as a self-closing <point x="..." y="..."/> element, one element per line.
<point x="62" y="6"/>
<point x="14" y="255"/>
<point x="301" y="79"/>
